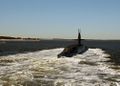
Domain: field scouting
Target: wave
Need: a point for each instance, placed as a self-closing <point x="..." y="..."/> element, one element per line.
<point x="44" y="68"/>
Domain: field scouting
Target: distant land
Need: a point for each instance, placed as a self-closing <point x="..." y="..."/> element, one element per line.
<point x="11" y="38"/>
<point x="20" y="38"/>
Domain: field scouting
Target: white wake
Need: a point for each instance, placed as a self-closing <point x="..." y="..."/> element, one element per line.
<point x="43" y="68"/>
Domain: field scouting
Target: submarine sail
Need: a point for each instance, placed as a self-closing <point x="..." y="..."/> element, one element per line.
<point x="79" y="38"/>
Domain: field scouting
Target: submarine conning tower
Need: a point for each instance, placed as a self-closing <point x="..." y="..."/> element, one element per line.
<point x="79" y="38"/>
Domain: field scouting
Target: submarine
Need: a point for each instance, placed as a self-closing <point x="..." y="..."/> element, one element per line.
<point x="75" y="49"/>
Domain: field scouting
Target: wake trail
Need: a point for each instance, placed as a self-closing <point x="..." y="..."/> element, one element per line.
<point x="44" y="68"/>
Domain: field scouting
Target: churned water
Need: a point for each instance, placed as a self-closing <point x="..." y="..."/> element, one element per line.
<point x="43" y="68"/>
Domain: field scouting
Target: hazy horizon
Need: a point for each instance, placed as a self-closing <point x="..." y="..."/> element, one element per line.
<point x="98" y="19"/>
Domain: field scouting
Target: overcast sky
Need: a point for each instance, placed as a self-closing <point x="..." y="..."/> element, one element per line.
<point x="98" y="19"/>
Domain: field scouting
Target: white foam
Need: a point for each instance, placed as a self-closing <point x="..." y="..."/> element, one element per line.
<point x="43" y="67"/>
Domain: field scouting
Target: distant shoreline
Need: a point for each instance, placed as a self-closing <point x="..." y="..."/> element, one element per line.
<point x="3" y="40"/>
<point x="11" y="38"/>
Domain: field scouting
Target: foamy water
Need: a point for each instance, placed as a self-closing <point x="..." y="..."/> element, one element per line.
<point x="43" y="68"/>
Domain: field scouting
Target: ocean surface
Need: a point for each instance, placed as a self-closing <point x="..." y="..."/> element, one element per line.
<point x="43" y="68"/>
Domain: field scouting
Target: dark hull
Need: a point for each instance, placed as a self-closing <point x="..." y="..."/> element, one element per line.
<point x="73" y="50"/>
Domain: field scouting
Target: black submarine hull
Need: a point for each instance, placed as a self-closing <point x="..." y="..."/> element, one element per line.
<point x="73" y="50"/>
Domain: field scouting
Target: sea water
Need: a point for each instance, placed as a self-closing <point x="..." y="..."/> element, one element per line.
<point x="43" y="68"/>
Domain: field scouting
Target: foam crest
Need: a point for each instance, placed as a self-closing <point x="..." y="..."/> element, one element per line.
<point x="44" y="68"/>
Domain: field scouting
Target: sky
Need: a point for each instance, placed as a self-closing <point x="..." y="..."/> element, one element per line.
<point x="98" y="19"/>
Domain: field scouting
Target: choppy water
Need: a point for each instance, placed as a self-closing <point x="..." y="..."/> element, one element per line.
<point x="43" y="68"/>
